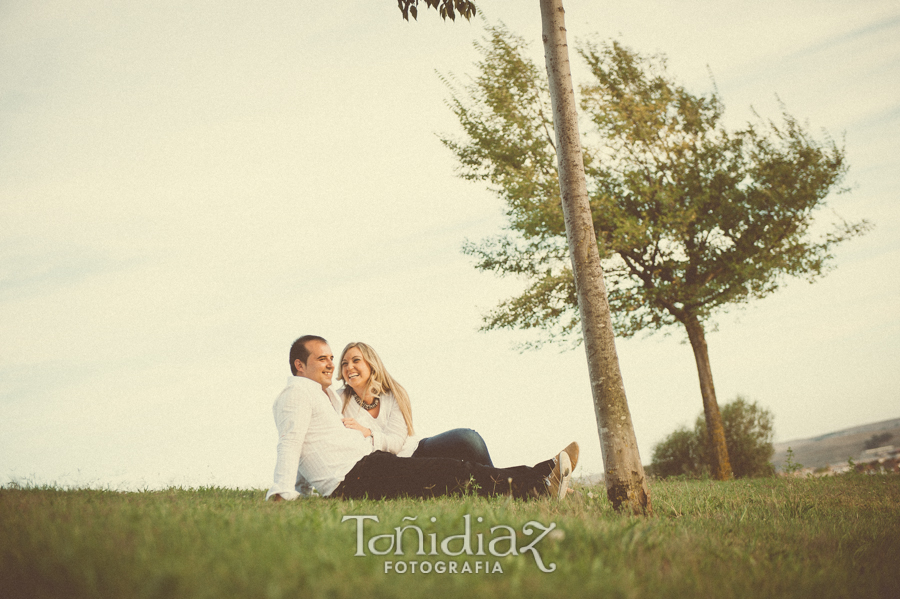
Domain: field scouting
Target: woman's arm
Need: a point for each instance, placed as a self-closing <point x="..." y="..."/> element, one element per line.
<point x="393" y="431"/>
<point x="387" y="432"/>
<point x="352" y="423"/>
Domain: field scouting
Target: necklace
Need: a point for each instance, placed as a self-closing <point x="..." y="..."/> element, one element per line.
<point x="366" y="406"/>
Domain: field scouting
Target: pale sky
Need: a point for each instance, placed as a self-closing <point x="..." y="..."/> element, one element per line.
<point x="186" y="187"/>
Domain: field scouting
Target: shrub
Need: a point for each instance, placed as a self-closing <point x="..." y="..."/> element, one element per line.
<point x="748" y="435"/>
<point x="677" y="454"/>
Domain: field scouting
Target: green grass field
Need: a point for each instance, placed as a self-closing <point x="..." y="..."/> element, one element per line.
<point x="824" y="537"/>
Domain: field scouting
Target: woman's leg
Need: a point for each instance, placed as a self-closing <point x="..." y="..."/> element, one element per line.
<point x="460" y="444"/>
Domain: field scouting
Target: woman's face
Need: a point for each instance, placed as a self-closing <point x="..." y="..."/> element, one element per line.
<point x="355" y="370"/>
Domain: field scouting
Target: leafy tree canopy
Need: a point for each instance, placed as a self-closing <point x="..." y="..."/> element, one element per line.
<point x="748" y="435"/>
<point x="690" y="216"/>
<point x="446" y="8"/>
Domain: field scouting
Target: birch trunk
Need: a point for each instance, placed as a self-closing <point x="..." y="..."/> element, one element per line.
<point x="626" y="485"/>
<point x="715" y="432"/>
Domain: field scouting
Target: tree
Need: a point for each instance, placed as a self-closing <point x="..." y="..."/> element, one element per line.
<point x="626" y="485"/>
<point x="446" y="8"/>
<point x="625" y="481"/>
<point x="690" y="218"/>
<point x="748" y="435"/>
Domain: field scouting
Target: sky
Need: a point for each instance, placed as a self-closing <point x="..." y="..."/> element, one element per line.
<point x="187" y="187"/>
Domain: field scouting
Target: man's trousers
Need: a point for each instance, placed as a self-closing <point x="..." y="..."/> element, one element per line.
<point x="382" y="475"/>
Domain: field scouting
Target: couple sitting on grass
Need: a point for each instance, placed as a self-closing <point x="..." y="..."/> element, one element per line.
<point x="362" y="445"/>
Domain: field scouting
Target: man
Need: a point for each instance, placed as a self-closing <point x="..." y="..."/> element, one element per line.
<point x="315" y="446"/>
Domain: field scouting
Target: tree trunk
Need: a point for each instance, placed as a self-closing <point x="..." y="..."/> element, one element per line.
<point x="715" y="432"/>
<point x="626" y="485"/>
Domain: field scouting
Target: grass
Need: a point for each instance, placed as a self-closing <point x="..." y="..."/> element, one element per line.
<point x="815" y="537"/>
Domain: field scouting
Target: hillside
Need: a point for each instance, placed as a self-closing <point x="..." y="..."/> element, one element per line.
<point x="836" y="447"/>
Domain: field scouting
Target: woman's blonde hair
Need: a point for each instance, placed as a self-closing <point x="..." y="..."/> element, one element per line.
<point x="379" y="382"/>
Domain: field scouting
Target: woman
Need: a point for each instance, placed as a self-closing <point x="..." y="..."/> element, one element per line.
<point x="378" y="407"/>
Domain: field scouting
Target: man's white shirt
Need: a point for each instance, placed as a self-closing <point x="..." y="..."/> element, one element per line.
<point x="314" y="446"/>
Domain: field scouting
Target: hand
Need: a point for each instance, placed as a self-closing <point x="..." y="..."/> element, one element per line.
<point x="351" y="423"/>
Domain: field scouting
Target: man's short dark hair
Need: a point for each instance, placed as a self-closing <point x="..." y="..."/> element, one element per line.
<point x="299" y="351"/>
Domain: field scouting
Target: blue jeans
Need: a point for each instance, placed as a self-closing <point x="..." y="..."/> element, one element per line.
<point x="460" y="444"/>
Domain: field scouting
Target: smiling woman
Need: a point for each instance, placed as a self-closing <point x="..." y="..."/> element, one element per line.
<point x="379" y="408"/>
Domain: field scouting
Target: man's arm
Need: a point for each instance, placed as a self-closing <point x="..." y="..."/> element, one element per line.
<point x="293" y="412"/>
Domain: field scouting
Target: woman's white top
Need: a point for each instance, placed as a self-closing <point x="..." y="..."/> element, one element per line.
<point x="388" y="430"/>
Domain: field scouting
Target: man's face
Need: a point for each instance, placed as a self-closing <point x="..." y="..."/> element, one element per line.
<point x="319" y="366"/>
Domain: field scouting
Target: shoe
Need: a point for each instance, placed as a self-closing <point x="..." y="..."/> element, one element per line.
<point x="558" y="481"/>
<point x="572" y="450"/>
